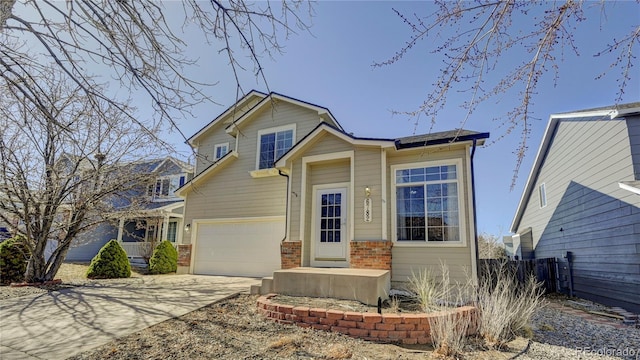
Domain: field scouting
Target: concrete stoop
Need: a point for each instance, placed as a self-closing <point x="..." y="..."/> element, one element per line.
<point x="364" y="285"/>
<point x="265" y="287"/>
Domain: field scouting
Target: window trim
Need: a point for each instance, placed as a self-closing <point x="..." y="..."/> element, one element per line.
<point x="269" y="131"/>
<point x="542" y="195"/>
<point x="215" y="150"/>
<point x="462" y="210"/>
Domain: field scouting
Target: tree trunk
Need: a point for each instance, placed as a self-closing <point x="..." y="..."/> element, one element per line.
<point x="57" y="261"/>
<point x="36" y="268"/>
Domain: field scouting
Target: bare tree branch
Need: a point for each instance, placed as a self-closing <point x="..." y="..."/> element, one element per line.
<point x="476" y="38"/>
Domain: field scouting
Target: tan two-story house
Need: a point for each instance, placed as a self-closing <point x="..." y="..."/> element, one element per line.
<point x="279" y="183"/>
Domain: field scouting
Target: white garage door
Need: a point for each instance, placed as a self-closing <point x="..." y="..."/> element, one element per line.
<point x="245" y="247"/>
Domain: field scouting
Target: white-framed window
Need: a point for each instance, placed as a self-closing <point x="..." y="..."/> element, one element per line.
<point x="427" y="205"/>
<point x="273" y="143"/>
<point x="542" y="191"/>
<point x="165" y="186"/>
<point x="220" y="150"/>
<point x="172" y="231"/>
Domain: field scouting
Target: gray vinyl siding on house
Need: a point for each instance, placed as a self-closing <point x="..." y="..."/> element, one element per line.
<point x="86" y="245"/>
<point x="633" y="129"/>
<point x="232" y="192"/>
<point x="407" y="259"/>
<point x="587" y="212"/>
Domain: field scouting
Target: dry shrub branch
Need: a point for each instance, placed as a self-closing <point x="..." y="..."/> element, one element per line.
<point x="505" y="305"/>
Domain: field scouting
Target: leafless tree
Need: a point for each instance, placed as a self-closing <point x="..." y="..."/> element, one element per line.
<point x="142" y="44"/>
<point x="490" y="247"/>
<point x="482" y="38"/>
<point x="65" y="134"/>
<point x="66" y="164"/>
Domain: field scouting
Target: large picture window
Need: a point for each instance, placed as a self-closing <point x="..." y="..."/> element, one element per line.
<point x="272" y="144"/>
<point x="427" y="201"/>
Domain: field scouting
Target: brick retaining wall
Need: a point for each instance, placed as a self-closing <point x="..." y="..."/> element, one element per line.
<point x="395" y="328"/>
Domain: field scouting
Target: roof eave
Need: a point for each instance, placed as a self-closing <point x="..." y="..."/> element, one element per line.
<point x="182" y="191"/>
<point x="325" y="127"/>
<point x="450" y="140"/>
<point x="192" y="140"/>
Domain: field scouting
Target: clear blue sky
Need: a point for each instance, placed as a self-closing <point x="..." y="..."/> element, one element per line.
<point x="332" y="67"/>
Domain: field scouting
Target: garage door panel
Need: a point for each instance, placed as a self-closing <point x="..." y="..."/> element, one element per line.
<point x="242" y="248"/>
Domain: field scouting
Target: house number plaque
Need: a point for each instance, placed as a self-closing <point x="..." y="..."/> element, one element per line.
<point x="367" y="210"/>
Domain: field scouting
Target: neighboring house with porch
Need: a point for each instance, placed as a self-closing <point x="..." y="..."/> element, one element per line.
<point x="279" y="184"/>
<point x="146" y="217"/>
<point x="581" y="204"/>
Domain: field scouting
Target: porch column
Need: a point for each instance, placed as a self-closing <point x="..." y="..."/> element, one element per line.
<point x="165" y="228"/>
<point x="120" y="229"/>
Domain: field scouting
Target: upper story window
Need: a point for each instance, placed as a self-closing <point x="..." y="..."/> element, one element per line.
<point x="427" y="206"/>
<point x="165" y="186"/>
<point x="542" y="190"/>
<point x="273" y="143"/>
<point x="220" y="150"/>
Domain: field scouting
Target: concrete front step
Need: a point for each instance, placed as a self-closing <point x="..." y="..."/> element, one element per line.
<point x="364" y="285"/>
<point x="264" y="288"/>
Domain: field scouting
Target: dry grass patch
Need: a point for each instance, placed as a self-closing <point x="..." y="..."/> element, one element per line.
<point x="338" y="352"/>
<point x="506" y="306"/>
<point x="287" y="341"/>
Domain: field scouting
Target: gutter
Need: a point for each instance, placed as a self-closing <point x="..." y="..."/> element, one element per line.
<point x="286" y="207"/>
<point x="475" y="216"/>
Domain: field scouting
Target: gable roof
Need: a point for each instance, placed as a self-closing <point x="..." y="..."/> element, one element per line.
<point x="322" y="128"/>
<point x="408" y="142"/>
<point x="323" y="112"/>
<point x="595" y="114"/>
<point x="218" y="164"/>
<point x="253" y="94"/>
<point x="265" y="99"/>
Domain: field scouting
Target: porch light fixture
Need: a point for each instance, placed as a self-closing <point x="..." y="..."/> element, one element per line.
<point x="367" y="191"/>
<point x="187" y="227"/>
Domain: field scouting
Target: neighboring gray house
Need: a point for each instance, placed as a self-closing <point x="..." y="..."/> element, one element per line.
<point x="582" y="202"/>
<point x="157" y="215"/>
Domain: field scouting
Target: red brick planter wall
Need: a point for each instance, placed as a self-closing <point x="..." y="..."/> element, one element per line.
<point x="405" y="328"/>
<point x="184" y="255"/>
<point x="290" y="254"/>
<point x="371" y="254"/>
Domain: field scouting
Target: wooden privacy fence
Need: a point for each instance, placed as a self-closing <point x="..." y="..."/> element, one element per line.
<point x="545" y="271"/>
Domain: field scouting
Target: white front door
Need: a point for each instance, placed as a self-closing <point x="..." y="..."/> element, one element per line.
<point x="330" y="230"/>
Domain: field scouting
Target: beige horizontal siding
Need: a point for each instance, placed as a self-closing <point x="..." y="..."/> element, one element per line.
<point x="408" y="260"/>
<point x="217" y="135"/>
<point x="368" y="172"/>
<point x="232" y="192"/>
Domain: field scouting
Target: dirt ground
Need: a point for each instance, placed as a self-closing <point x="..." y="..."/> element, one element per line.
<point x="233" y="329"/>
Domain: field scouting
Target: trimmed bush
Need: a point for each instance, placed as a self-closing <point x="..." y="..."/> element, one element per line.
<point x="110" y="263"/>
<point x="164" y="259"/>
<point x="13" y="260"/>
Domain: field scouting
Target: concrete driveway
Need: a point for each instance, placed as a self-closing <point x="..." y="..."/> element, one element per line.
<point x="64" y="323"/>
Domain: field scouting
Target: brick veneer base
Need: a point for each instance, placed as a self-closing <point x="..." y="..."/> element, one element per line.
<point x="290" y="254"/>
<point x="371" y="254"/>
<point x="184" y="255"/>
<point x="387" y="328"/>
